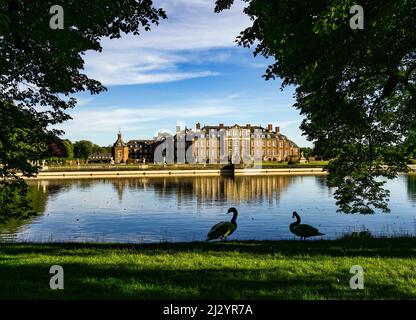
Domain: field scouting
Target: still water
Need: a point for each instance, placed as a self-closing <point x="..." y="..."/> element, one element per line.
<point x="184" y="209"/>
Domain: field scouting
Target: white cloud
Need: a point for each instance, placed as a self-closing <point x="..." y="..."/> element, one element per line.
<point x="88" y="123"/>
<point x="192" y="28"/>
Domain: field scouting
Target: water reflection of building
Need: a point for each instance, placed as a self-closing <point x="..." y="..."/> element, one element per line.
<point x="210" y="189"/>
<point x="247" y="189"/>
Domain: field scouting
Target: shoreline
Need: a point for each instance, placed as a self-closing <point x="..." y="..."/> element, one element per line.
<point x="164" y="173"/>
<point x="174" y="173"/>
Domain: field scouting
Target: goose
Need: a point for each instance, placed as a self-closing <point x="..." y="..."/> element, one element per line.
<point x="223" y="229"/>
<point x="303" y="230"/>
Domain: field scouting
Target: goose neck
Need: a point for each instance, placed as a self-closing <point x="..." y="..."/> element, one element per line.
<point x="234" y="219"/>
<point x="297" y="222"/>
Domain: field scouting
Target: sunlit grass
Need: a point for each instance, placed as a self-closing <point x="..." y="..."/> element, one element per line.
<point x="233" y="270"/>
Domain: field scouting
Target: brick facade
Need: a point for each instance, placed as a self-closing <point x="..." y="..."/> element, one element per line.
<point x="251" y="142"/>
<point x="120" y="150"/>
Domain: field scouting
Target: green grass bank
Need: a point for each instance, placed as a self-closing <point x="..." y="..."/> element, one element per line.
<point x="231" y="270"/>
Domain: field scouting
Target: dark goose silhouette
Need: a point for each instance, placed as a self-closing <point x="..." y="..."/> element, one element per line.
<point x="225" y="228"/>
<point x="303" y="230"/>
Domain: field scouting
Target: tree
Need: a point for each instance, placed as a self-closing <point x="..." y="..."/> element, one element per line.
<point x="22" y="143"/>
<point x="99" y="149"/>
<point x="355" y="88"/>
<point x="83" y="149"/>
<point x="69" y="149"/>
<point x="307" y="152"/>
<point x="41" y="70"/>
<point x="56" y="148"/>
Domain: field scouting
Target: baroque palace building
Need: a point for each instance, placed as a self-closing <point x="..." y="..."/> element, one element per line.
<point x="241" y="143"/>
<point x="213" y="144"/>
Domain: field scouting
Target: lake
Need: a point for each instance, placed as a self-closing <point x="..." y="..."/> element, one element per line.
<point x="184" y="209"/>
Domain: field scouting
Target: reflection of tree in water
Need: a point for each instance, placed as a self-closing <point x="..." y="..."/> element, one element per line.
<point x="40" y="191"/>
<point x="411" y="187"/>
<point x="321" y="181"/>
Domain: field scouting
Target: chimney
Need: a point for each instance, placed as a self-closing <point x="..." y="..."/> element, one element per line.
<point x="198" y="126"/>
<point x="221" y="125"/>
<point x="178" y="129"/>
<point x="270" y="127"/>
<point x="277" y="129"/>
<point x="248" y="125"/>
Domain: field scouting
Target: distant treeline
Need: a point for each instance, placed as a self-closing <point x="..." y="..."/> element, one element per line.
<point x="66" y="149"/>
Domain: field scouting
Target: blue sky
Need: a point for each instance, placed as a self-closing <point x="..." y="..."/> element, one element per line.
<point x="186" y="70"/>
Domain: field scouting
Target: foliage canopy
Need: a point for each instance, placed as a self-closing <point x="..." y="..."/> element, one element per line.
<point x="355" y="88"/>
<point x="41" y="70"/>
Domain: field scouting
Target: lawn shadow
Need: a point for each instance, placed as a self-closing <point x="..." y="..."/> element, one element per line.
<point x="84" y="281"/>
<point x="91" y="278"/>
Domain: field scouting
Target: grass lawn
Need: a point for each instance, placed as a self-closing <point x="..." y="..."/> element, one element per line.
<point x="231" y="270"/>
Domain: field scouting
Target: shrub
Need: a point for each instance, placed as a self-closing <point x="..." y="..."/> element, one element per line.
<point x="365" y="234"/>
<point x="293" y="160"/>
